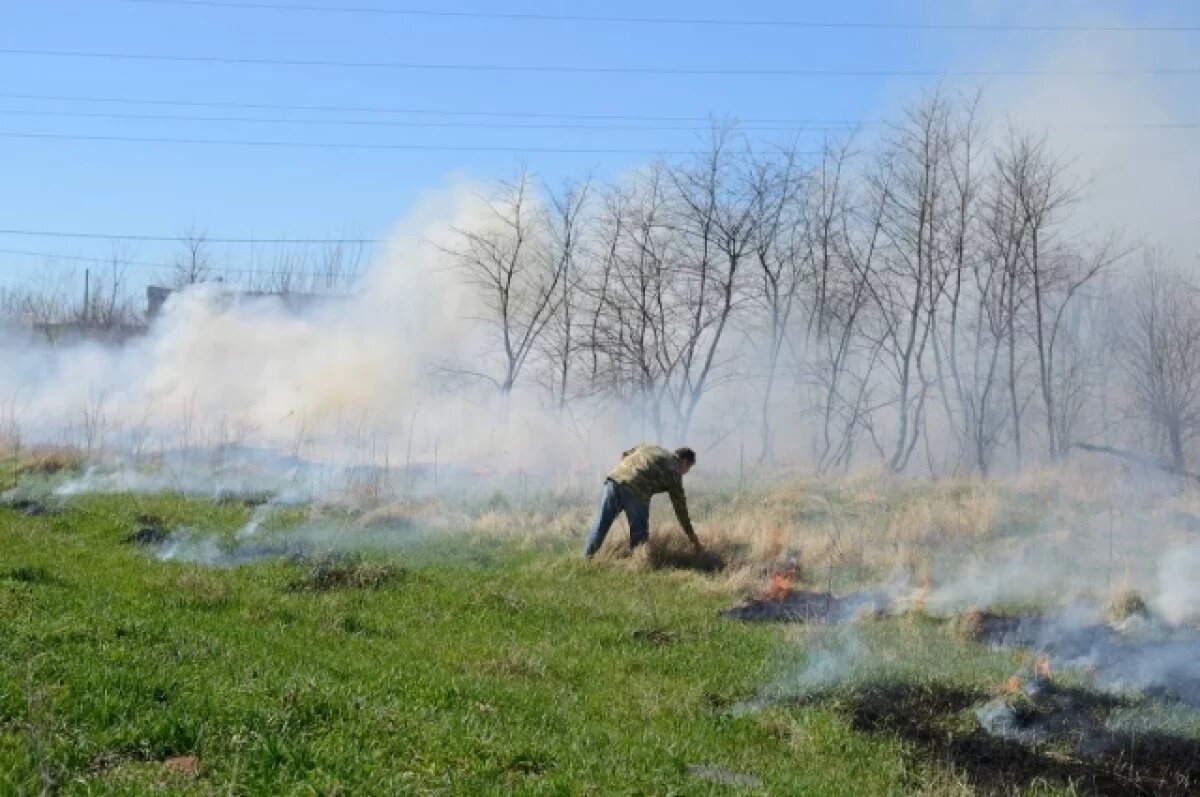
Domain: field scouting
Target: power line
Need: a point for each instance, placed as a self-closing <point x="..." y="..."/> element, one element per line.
<point x="100" y="236"/>
<point x="391" y="123"/>
<point x="81" y="259"/>
<point x="118" y="261"/>
<point x="696" y="21"/>
<point x="396" y="147"/>
<point x="827" y="125"/>
<point x="393" y="110"/>
<point x="599" y="70"/>
<point x="783" y="123"/>
<point x="238" y="142"/>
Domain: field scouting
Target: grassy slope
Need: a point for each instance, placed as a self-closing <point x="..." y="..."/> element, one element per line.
<point x="483" y="669"/>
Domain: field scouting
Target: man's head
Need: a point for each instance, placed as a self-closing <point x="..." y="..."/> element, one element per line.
<point x="687" y="458"/>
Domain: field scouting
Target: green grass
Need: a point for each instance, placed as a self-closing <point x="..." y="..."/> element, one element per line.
<point x="453" y="666"/>
<point x="470" y="669"/>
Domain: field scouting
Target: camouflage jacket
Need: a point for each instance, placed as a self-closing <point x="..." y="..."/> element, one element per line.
<point x="647" y="469"/>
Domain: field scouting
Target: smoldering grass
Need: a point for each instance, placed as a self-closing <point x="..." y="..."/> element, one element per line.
<point x="851" y="656"/>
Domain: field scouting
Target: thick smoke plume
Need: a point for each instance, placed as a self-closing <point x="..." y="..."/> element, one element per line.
<point x="247" y="390"/>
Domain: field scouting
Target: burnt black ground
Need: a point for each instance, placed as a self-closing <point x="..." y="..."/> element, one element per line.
<point x="934" y="721"/>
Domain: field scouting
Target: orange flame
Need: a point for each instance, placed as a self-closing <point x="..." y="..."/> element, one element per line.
<point x="922" y="594"/>
<point x="1011" y="686"/>
<point x="1042" y="667"/>
<point x="782" y="583"/>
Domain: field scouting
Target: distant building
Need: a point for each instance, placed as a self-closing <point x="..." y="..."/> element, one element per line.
<point x="293" y="301"/>
<point x="156" y="297"/>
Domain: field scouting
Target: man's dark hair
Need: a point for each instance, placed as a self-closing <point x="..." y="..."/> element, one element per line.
<point x="686" y="454"/>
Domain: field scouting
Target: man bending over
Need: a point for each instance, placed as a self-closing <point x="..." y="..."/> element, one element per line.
<point x="642" y="472"/>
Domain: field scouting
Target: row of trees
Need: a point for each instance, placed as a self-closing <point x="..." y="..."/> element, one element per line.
<point x="933" y="294"/>
<point x="108" y="295"/>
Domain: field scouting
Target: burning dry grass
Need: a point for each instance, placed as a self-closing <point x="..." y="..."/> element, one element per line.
<point x="841" y="534"/>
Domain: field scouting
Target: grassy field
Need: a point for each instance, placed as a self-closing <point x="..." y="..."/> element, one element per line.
<point x="466" y="662"/>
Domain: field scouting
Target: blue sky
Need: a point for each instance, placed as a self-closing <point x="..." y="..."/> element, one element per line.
<point x="238" y="191"/>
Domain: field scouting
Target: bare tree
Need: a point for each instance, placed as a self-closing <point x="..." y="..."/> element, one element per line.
<point x="844" y="232"/>
<point x="563" y="250"/>
<point x="957" y="257"/>
<point x="942" y="283"/>
<point x="635" y="325"/>
<point x="780" y="246"/>
<point x="670" y="279"/>
<point x="1056" y="269"/>
<point x="109" y="303"/>
<point x="717" y="216"/>
<point x="1160" y="356"/>
<point x="912" y="280"/>
<point x="194" y="262"/>
<point x="519" y="290"/>
<point x="994" y="288"/>
<point x="337" y="267"/>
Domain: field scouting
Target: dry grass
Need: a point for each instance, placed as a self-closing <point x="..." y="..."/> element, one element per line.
<point x="839" y="532"/>
<point x="848" y="532"/>
<point x="1124" y="604"/>
<point x="42" y="460"/>
<point x="48" y="460"/>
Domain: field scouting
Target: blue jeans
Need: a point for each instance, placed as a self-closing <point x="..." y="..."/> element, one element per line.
<point x="617" y="499"/>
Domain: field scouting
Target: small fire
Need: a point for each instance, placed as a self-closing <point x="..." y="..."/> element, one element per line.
<point x="1042" y="668"/>
<point x="1012" y="686"/>
<point x="922" y="594"/>
<point x="782" y="583"/>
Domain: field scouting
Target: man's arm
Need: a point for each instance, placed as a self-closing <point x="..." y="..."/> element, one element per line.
<point x="679" y="501"/>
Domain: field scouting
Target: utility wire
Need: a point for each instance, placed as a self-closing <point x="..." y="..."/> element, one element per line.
<point x="782" y="123"/>
<point x="598" y="70"/>
<point x="239" y="142"/>
<point x="100" y="236"/>
<point x="393" y="123"/>
<point x="121" y="262"/>
<point x="267" y="144"/>
<point x="647" y="20"/>
<point x="81" y="259"/>
<point x="394" y="110"/>
<point x="798" y="126"/>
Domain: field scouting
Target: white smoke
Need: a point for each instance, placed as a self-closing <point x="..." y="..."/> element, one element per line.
<point x="1106" y="106"/>
<point x="1178" y="595"/>
<point x="357" y="382"/>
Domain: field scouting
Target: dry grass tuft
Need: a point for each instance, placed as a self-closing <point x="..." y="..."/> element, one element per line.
<point x="48" y="460"/>
<point x="402" y="514"/>
<point x="1125" y="604"/>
